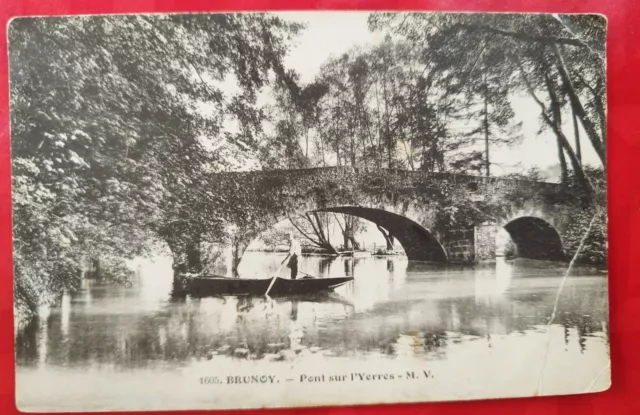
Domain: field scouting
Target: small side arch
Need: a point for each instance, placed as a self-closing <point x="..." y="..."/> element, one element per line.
<point x="535" y="238"/>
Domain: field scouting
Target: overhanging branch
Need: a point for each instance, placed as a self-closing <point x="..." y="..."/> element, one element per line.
<point x="527" y="37"/>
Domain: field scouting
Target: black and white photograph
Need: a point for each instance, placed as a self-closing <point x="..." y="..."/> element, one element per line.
<point x="294" y="209"/>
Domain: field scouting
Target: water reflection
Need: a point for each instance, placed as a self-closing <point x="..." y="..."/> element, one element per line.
<point x="392" y="308"/>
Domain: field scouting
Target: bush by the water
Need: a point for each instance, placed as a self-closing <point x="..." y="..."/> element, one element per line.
<point x="589" y="229"/>
<point x="510" y="250"/>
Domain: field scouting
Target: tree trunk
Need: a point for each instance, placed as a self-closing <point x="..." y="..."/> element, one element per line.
<point x="353" y="151"/>
<point x="335" y="130"/>
<point x="346" y="242"/>
<point x="186" y="258"/>
<point x="486" y="127"/>
<point x="408" y="154"/>
<point x="185" y="250"/>
<point x="390" y="243"/>
<point x="388" y="237"/>
<point x="556" y="119"/>
<point x="556" y="115"/>
<point x="564" y="172"/>
<point x="582" y="179"/>
<point x="194" y="257"/>
<point x="576" y="104"/>
<point x="306" y="150"/>
<point x="387" y="128"/>
<point x="321" y="241"/>
<point x="324" y="163"/>
<point x="354" y="244"/>
<point x="97" y="269"/>
<point x="349" y="233"/>
<point x="576" y="133"/>
<point x="379" y="127"/>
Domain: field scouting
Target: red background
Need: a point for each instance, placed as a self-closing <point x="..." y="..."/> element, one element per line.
<point x="623" y="68"/>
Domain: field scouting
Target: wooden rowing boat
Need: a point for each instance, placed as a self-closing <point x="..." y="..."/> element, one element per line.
<point x="214" y="285"/>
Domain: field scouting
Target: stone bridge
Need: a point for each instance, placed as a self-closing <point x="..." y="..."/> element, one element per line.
<point x="437" y="217"/>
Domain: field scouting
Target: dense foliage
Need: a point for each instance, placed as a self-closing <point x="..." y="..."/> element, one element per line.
<point x="113" y="119"/>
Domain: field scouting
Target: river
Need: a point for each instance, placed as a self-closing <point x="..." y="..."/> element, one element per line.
<point x="474" y="331"/>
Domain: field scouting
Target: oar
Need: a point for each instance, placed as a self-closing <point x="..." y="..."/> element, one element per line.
<point x="273" y="280"/>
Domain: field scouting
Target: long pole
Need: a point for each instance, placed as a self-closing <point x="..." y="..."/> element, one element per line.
<point x="273" y="280"/>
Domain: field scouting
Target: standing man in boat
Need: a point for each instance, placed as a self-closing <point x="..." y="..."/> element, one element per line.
<point x="295" y="250"/>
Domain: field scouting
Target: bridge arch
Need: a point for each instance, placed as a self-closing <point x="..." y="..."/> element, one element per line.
<point x="535" y="238"/>
<point x="419" y="244"/>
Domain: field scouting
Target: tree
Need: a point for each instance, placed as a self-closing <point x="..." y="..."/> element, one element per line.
<point x="288" y="129"/>
<point x="112" y="118"/>
<point x="314" y="227"/>
<point x="490" y="94"/>
<point x="538" y="46"/>
<point x="307" y="103"/>
<point x="552" y="118"/>
<point x="352" y="225"/>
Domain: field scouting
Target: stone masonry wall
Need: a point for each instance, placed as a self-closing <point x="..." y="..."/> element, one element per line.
<point x="460" y="245"/>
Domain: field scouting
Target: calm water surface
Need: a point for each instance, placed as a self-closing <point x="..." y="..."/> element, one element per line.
<point x="443" y="316"/>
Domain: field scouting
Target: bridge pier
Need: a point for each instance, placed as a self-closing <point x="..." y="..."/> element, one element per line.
<point x="460" y="245"/>
<point x="471" y="245"/>
<point x="485" y="242"/>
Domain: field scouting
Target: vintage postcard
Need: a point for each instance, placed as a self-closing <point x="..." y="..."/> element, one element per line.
<point x="259" y="210"/>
